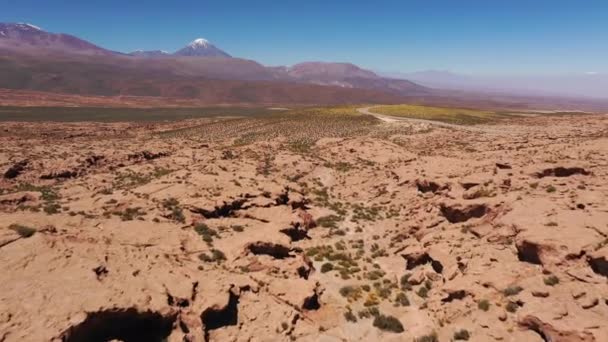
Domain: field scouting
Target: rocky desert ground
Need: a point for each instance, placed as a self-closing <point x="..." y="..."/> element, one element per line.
<point x="321" y="228"/>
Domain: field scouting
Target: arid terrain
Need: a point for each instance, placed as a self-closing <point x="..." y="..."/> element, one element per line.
<point x="321" y="224"/>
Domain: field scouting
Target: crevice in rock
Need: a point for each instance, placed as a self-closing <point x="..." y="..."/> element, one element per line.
<point x="425" y="186"/>
<point x="215" y="318"/>
<point x="562" y="172"/>
<point x="312" y="302"/>
<point x="15" y="170"/>
<point x="456" y="214"/>
<point x="194" y="291"/>
<point x="61" y="174"/>
<point x="302" y="204"/>
<point x="296" y="232"/>
<point x="127" y="325"/>
<point x="274" y="250"/>
<point x="417" y="259"/>
<point x="225" y="210"/>
<point x="176" y="301"/>
<point x="283" y="198"/>
<point x="549" y="334"/>
<point x="147" y="155"/>
<point x="599" y="265"/>
<point x="94" y="160"/>
<point x="529" y="252"/>
<point x="455" y="295"/>
<point x="468" y="185"/>
<point x="305" y="270"/>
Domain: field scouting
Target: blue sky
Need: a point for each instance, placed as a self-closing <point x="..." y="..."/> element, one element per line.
<point x="469" y="36"/>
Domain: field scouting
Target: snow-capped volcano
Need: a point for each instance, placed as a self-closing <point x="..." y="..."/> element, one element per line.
<point x="200" y="42"/>
<point x="202" y="48"/>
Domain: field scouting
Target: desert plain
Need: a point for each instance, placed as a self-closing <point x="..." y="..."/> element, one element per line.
<point x="319" y="225"/>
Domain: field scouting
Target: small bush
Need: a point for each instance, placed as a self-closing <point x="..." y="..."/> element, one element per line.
<point x="512" y="290"/>
<point x="423" y="292"/>
<point x="512" y="307"/>
<point x="205" y="232"/>
<point x="551" y="189"/>
<point x="388" y="323"/>
<point x="350" y="317"/>
<point x="350" y="292"/>
<point x="484" y="305"/>
<point x="462" y="335"/>
<point x="330" y="221"/>
<point x="216" y="256"/>
<point x="405" y="282"/>
<point x="551" y="280"/>
<point x="23" y="231"/>
<point x="52" y="208"/>
<point x="326" y="267"/>
<point x="432" y="337"/>
<point x="402" y="299"/>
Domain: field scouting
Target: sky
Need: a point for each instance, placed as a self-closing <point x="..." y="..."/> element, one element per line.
<point x="466" y="36"/>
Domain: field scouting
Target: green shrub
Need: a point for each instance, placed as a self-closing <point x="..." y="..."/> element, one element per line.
<point x="326" y="267"/>
<point x="432" y="337"/>
<point x="423" y="292"/>
<point x="216" y="256"/>
<point x="551" y="280"/>
<point x="205" y="232"/>
<point x="511" y="306"/>
<point x="512" y="290"/>
<point x="462" y="335"/>
<point x="388" y="323"/>
<point x="350" y="317"/>
<point x="402" y="299"/>
<point x="484" y="305"/>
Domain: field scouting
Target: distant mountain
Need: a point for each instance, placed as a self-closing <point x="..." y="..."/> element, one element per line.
<point x="328" y="71"/>
<point x="33" y="59"/>
<point x="150" y="54"/>
<point x="348" y="75"/>
<point x="201" y="48"/>
<point x="29" y="38"/>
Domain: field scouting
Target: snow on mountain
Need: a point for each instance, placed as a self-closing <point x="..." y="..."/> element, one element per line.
<point x="201" y="47"/>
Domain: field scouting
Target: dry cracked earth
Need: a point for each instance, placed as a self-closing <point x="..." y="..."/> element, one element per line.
<point x="385" y="231"/>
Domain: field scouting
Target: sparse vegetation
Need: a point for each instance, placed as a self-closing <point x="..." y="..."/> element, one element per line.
<point x="175" y="211"/>
<point x="511" y="307"/>
<point x="512" y="290"/>
<point x="459" y="116"/>
<point x="326" y="267"/>
<point x="551" y="280"/>
<point x="216" y="256"/>
<point x="462" y="335"/>
<point x="432" y="337"/>
<point x="422" y="292"/>
<point x="350" y="317"/>
<point x="484" y="305"/>
<point x="388" y="323"/>
<point x="205" y="232"/>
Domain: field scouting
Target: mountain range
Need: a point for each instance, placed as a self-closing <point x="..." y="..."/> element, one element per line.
<point x="34" y="59"/>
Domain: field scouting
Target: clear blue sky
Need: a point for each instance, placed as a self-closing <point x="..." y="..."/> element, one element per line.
<point x="472" y="36"/>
